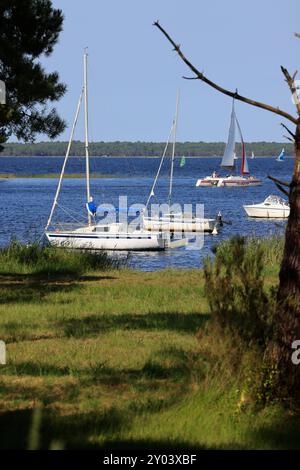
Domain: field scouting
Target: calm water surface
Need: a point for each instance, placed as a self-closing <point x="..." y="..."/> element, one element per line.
<point x="25" y="203"/>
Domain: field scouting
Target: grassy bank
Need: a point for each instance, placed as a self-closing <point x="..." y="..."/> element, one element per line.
<point x="112" y="357"/>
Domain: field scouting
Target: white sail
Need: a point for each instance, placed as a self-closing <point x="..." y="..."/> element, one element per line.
<point x="228" y="157"/>
<point x="246" y="167"/>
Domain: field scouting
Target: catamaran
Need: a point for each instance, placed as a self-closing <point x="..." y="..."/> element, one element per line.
<point x="281" y="156"/>
<point x="228" y="162"/>
<point x="176" y="221"/>
<point x="93" y="235"/>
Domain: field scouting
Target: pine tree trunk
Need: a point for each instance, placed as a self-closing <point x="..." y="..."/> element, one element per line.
<point x="287" y="316"/>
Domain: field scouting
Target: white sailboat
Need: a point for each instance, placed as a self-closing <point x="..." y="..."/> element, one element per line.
<point x="176" y="221"/>
<point x="281" y="156"/>
<point x="228" y="162"/>
<point x="94" y="236"/>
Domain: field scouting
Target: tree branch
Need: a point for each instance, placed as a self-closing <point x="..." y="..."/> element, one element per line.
<point x="288" y="138"/>
<point x="284" y="191"/>
<point x="292" y="86"/>
<point x="217" y="87"/>
<point x="289" y="131"/>
<point x="277" y="181"/>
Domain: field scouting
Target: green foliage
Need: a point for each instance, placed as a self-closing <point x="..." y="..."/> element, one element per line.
<point x="140" y="149"/>
<point x="29" y="29"/>
<point x="235" y="289"/>
<point x="49" y="261"/>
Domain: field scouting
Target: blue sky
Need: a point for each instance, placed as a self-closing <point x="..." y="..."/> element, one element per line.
<point x="134" y="75"/>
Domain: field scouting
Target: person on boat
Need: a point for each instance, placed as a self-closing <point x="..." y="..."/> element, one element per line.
<point x="214" y="175"/>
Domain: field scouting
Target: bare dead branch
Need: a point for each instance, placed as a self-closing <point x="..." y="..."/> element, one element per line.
<point x="292" y="86"/>
<point x="289" y="131"/>
<point x="277" y="181"/>
<point x="284" y="191"/>
<point x="217" y="87"/>
<point x="288" y="138"/>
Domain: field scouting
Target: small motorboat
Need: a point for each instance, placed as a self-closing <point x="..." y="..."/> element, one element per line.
<point x="273" y="207"/>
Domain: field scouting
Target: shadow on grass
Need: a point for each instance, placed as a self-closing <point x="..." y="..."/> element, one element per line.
<point x="90" y="278"/>
<point x="90" y="325"/>
<point x="73" y="431"/>
<point x="170" y="384"/>
<point x="178" y="367"/>
<point x="77" y="431"/>
<point x="284" y="434"/>
<point x="32" y="292"/>
<point x="33" y="287"/>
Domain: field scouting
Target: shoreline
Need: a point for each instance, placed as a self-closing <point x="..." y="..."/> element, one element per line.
<point x="139" y="156"/>
<point x="56" y="176"/>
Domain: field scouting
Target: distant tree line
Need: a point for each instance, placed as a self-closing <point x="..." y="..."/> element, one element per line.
<point x="140" y="149"/>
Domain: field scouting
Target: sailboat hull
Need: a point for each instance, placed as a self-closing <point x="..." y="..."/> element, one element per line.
<point x="140" y="241"/>
<point x="166" y="224"/>
<point x="229" y="181"/>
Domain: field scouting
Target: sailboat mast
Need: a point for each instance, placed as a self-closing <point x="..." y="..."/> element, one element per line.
<point x="173" y="149"/>
<point x="86" y="123"/>
<point x="65" y="161"/>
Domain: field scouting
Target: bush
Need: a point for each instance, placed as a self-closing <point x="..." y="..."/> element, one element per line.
<point x="50" y="261"/>
<point x="234" y="285"/>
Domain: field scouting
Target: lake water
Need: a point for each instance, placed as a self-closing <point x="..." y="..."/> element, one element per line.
<point x="25" y="203"/>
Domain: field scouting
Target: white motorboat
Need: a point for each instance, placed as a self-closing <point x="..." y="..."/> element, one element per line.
<point x="273" y="207"/>
<point x="228" y="162"/>
<point x="93" y="235"/>
<point x="169" y="220"/>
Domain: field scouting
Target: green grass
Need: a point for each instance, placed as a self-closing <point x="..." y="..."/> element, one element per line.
<point x="35" y="260"/>
<point x="113" y="358"/>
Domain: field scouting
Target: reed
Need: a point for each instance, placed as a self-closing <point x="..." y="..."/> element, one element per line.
<point x="48" y="261"/>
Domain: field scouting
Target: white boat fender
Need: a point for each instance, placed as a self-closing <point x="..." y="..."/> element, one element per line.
<point x="215" y="230"/>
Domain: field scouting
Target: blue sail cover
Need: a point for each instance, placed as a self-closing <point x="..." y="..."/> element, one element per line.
<point x="91" y="208"/>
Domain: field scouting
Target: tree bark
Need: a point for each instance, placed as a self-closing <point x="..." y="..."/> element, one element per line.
<point x="287" y="315"/>
<point x="286" y="321"/>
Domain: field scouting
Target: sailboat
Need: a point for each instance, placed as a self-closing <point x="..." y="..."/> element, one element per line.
<point x="281" y="156"/>
<point x="252" y="155"/>
<point x="171" y="221"/>
<point x="182" y="162"/>
<point x="93" y="235"/>
<point x="228" y="162"/>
